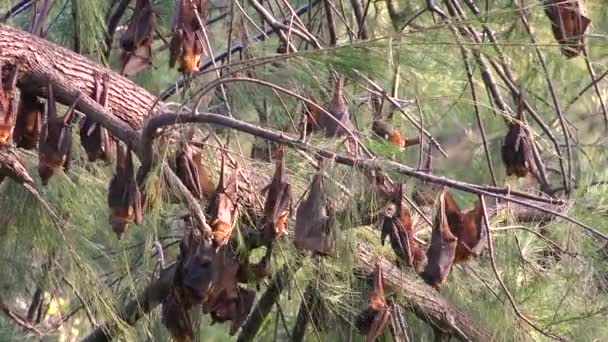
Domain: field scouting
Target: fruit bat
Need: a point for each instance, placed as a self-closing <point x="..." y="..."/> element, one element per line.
<point x="195" y="267"/>
<point x="223" y="208"/>
<point x="95" y="138"/>
<point x="124" y="197"/>
<point x="373" y="319"/>
<point x="136" y="42"/>
<point x="425" y="192"/>
<point x="338" y="109"/>
<point x="441" y="251"/>
<point x="311" y="118"/>
<point x="185" y="46"/>
<point x="177" y="319"/>
<point x="516" y="149"/>
<point x="8" y="107"/>
<point x="568" y="23"/>
<point x="29" y="120"/>
<point x="467" y="227"/>
<point x="55" y="147"/>
<point x="313" y="228"/>
<point x="187" y="170"/>
<point x="398" y="228"/>
<point x="392" y="135"/>
<point x="226" y="300"/>
<point x="277" y="207"/>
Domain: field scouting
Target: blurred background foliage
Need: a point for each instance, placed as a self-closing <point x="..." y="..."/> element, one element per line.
<point x="87" y="273"/>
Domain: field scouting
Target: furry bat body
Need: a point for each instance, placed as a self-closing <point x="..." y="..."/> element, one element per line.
<point x="222" y="208"/>
<point x="568" y="23"/>
<point x="55" y="147"/>
<point x="373" y="319"/>
<point x="29" y="121"/>
<point x="277" y="207"/>
<point x="467" y="227"/>
<point x="186" y="46"/>
<point x="187" y="170"/>
<point x="8" y="106"/>
<point x="136" y="42"/>
<point x="94" y="138"/>
<point x="124" y="197"/>
<point x="516" y="149"/>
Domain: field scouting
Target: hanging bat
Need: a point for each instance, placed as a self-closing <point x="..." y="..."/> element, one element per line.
<point x="95" y="138"/>
<point x="313" y="228"/>
<point x="392" y="135"/>
<point x="55" y="147"/>
<point x="195" y="268"/>
<point x="124" y="197"/>
<point x="568" y="23"/>
<point x="136" y="42"/>
<point x="516" y="149"/>
<point x="277" y="207"/>
<point x="187" y="170"/>
<point x="223" y="208"/>
<point x="177" y="319"/>
<point x="227" y="301"/>
<point x="311" y="118"/>
<point x="8" y="107"/>
<point x="441" y="251"/>
<point x="338" y="109"/>
<point x="467" y="227"/>
<point x="373" y="319"/>
<point x="425" y="192"/>
<point x="29" y="120"/>
<point x="398" y="228"/>
<point x="185" y="46"/>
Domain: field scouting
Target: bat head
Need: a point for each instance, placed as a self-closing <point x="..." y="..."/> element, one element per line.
<point x="45" y="172"/>
<point x="120" y="218"/>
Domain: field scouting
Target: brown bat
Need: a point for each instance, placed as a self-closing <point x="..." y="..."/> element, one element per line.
<point x="373" y="319"/>
<point x="441" y="251"/>
<point x="136" y="42"/>
<point x="568" y="23"/>
<point x="185" y="46"/>
<point x="313" y="228"/>
<point x="277" y="207"/>
<point x="207" y="186"/>
<point x="8" y="107"/>
<point x="124" y="197"/>
<point x="29" y="120"/>
<point x="467" y="228"/>
<point x="516" y="149"/>
<point x="195" y="268"/>
<point x="177" y="319"/>
<point x="187" y="170"/>
<point x="338" y="109"/>
<point x="227" y="301"/>
<point x="55" y="147"/>
<point x="425" y="192"/>
<point x="94" y="138"/>
<point x="223" y="208"/>
<point x="392" y="135"/>
<point x="398" y="228"/>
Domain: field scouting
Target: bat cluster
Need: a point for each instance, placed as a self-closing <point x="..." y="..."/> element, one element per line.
<point x="568" y="23"/>
<point x="186" y="47"/>
<point x="277" y="207"/>
<point x="314" y="220"/>
<point x="377" y="313"/>
<point x="124" y="197"/>
<point x="95" y="139"/>
<point x="136" y="42"/>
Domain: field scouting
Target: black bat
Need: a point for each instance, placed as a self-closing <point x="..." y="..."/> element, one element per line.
<point x="94" y="138"/>
<point x="136" y="42"/>
<point x="55" y="147"/>
<point x="124" y="197"/>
